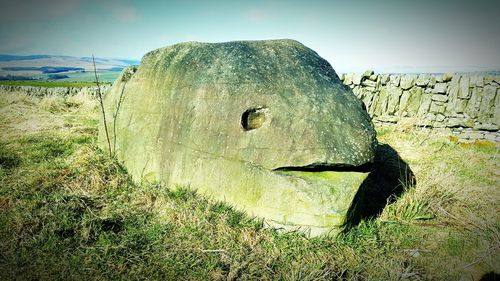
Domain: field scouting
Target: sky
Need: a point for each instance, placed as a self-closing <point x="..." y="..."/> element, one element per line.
<point x="384" y="35"/>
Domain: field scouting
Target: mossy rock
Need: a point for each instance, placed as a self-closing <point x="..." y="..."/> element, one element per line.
<point x="266" y="126"/>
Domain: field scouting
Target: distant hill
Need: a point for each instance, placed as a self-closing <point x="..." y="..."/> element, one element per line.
<point x="43" y="67"/>
<point x="62" y="61"/>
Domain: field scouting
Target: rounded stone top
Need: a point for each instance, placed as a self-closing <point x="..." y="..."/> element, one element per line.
<point x="267" y="62"/>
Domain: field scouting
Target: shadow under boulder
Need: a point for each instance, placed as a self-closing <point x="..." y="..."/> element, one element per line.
<point x="383" y="185"/>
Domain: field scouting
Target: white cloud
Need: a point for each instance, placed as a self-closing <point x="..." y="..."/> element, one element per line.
<point x="256" y="15"/>
<point x="122" y="10"/>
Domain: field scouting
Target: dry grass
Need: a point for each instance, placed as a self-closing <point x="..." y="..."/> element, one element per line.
<point x="457" y="194"/>
<point x="69" y="212"/>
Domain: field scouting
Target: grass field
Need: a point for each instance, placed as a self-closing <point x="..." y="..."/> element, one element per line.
<point x="68" y="212"/>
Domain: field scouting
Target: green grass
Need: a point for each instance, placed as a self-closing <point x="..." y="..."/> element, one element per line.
<point x="68" y="212"/>
<point x="49" y="84"/>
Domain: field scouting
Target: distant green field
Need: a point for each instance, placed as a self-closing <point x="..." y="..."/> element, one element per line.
<point x="88" y="76"/>
<point x="43" y="83"/>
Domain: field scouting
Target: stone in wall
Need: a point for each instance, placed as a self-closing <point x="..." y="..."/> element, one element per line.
<point x="464" y="90"/>
<point x="440" y="98"/>
<point x="357" y="91"/>
<point x="496" y="118"/>
<point x="440" y="88"/>
<point x="486" y="108"/>
<point x="403" y="103"/>
<point x="460" y="105"/>
<point x="394" y="80"/>
<point x="455" y="122"/>
<point x="447" y="77"/>
<point x="384" y="79"/>
<point x="369" y="84"/>
<point x="437" y="107"/>
<point x="492" y="80"/>
<point x="414" y="101"/>
<point x="432" y="81"/>
<point x="476" y="81"/>
<point x="368" y="73"/>
<point x="407" y="81"/>
<point x="472" y="108"/>
<point x="452" y="92"/>
<point x="393" y="101"/>
<point x="356" y="79"/>
<point x="381" y="105"/>
<point x="367" y="97"/>
<point x="425" y="104"/>
<point x="347" y="78"/>
<point x="485" y="127"/>
<point x="422" y="80"/>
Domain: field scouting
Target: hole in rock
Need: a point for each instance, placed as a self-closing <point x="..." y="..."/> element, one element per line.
<point x="253" y="118"/>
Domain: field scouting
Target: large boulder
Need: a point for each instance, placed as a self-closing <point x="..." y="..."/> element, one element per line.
<point x="266" y="126"/>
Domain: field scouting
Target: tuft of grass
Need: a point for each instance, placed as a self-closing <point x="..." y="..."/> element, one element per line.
<point x="67" y="211"/>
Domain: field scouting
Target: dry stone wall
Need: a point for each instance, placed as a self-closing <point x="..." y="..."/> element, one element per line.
<point x="464" y="105"/>
<point x="44" y="91"/>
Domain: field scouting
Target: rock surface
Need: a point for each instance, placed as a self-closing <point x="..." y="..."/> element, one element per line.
<point x="264" y="125"/>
